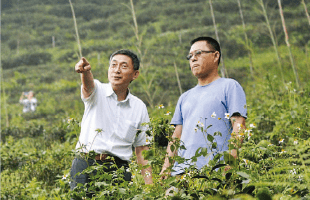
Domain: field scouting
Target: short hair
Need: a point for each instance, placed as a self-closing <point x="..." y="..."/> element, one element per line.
<point x="133" y="56"/>
<point x="212" y="42"/>
<point x="32" y="92"/>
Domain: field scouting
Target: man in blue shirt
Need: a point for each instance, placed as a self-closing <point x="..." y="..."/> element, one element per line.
<point x="215" y="101"/>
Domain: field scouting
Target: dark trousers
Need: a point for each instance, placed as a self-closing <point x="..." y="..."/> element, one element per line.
<point x="79" y="164"/>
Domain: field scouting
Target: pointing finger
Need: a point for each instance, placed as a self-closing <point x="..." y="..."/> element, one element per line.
<point x="82" y="66"/>
<point x="85" y="62"/>
<point x="79" y="66"/>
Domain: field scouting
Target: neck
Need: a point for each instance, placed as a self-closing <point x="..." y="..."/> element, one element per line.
<point x="208" y="80"/>
<point x="121" y="92"/>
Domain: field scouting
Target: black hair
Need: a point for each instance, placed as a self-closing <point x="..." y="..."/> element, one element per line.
<point x="212" y="42"/>
<point x="133" y="56"/>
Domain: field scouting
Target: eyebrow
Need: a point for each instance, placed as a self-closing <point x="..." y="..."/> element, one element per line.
<point x="202" y="50"/>
<point x="197" y="50"/>
<point x="124" y="62"/>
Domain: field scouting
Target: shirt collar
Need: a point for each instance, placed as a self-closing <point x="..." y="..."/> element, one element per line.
<point x="110" y="93"/>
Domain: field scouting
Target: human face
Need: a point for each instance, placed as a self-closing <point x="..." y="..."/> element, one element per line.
<point x="30" y="95"/>
<point x="205" y="64"/>
<point x="121" y="71"/>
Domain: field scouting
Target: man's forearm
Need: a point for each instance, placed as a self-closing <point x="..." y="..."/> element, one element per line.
<point x="88" y="83"/>
<point x="170" y="154"/>
<point x="238" y="124"/>
<point x="176" y="135"/>
<point x="147" y="172"/>
<point x="147" y="175"/>
<point x="83" y="67"/>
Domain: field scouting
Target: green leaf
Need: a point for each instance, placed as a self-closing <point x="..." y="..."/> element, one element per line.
<point x="243" y="174"/>
<point x="138" y="132"/>
<point x="217" y="133"/>
<point x="228" y="175"/>
<point x="99" y="184"/>
<point x="210" y="138"/>
<point x="172" y="148"/>
<point x="122" y="191"/>
<point x="229" y="159"/>
<point x="204" y="151"/>
<point x="148" y="132"/>
<point x="214" y="145"/>
<point x="218" y="166"/>
<point x="231" y="146"/>
<point x="217" y="156"/>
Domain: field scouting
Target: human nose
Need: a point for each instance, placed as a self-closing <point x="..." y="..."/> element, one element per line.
<point x="117" y="68"/>
<point x="194" y="57"/>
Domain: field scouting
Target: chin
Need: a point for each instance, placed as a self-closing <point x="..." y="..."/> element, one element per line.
<point x="196" y="74"/>
<point x="119" y="83"/>
<point x="116" y="83"/>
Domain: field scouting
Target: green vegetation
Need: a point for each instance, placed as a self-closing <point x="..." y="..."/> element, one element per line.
<point x="37" y="149"/>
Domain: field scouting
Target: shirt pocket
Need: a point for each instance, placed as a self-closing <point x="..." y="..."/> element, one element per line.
<point x="127" y="130"/>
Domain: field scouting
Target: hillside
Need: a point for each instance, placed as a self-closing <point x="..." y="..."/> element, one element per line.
<point x="30" y="62"/>
<point x="39" y="50"/>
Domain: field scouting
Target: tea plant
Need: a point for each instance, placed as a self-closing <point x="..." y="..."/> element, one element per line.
<point x="273" y="161"/>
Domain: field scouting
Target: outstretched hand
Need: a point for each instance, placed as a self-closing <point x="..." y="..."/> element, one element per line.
<point x="82" y="66"/>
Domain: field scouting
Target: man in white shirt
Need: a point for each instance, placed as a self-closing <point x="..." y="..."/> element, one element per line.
<point x="30" y="103"/>
<point x="112" y="118"/>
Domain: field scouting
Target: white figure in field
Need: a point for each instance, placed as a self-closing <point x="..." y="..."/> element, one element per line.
<point x="30" y="102"/>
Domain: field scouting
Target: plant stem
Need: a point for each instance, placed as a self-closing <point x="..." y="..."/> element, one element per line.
<point x="76" y="30"/>
<point x="139" y="39"/>
<point x="4" y="98"/>
<point x="305" y="6"/>
<point x="307" y="60"/>
<point x="272" y="38"/>
<point x="246" y="39"/>
<point x="223" y="69"/>
<point x="148" y="83"/>
<point x="177" y="75"/>
<point x="288" y="44"/>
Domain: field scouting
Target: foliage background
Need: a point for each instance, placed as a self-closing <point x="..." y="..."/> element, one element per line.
<point x="36" y="149"/>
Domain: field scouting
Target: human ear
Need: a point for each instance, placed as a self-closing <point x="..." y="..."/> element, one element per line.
<point x="216" y="56"/>
<point x="136" y="74"/>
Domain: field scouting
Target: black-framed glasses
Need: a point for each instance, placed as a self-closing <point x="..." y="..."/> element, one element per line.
<point x="198" y="53"/>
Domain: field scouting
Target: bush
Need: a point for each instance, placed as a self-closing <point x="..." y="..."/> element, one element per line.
<point x="18" y="133"/>
<point x="36" y="58"/>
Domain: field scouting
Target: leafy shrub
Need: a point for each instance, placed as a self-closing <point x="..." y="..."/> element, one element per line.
<point x="87" y="11"/>
<point x="18" y="132"/>
<point x="148" y="16"/>
<point x="35" y="58"/>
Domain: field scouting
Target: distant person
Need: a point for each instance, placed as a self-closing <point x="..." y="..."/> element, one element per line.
<point x="112" y="118"/>
<point x="30" y="102"/>
<point x="215" y="101"/>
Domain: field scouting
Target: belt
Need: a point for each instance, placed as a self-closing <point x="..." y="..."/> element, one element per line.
<point x="103" y="157"/>
<point x="106" y="157"/>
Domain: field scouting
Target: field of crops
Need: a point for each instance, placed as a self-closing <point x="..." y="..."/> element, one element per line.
<point x="267" y="55"/>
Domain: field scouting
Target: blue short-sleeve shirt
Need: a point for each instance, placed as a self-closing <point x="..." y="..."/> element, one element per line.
<point x="196" y="106"/>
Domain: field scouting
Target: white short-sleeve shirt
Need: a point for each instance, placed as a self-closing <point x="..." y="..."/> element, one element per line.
<point x="111" y="126"/>
<point x="29" y="105"/>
